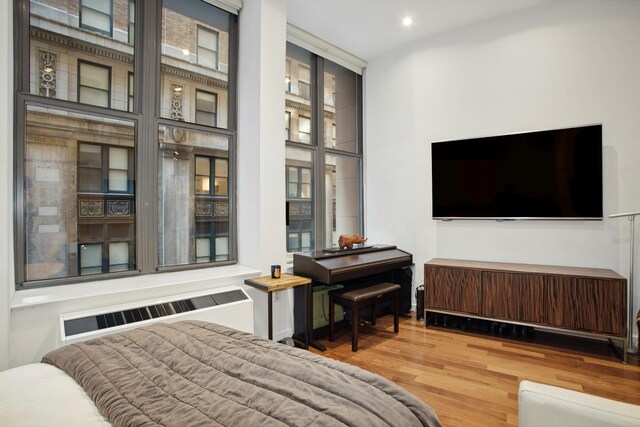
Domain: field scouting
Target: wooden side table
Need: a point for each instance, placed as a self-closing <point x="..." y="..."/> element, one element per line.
<point x="286" y="281"/>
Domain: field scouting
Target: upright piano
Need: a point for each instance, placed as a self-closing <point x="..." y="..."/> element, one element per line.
<point x="350" y="268"/>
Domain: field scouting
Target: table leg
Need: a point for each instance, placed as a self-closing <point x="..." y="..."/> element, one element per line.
<point x="270" y="314"/>
<point x="307" y="320"/>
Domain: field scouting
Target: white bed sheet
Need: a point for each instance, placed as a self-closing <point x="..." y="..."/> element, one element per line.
<point x="40" y="394"/>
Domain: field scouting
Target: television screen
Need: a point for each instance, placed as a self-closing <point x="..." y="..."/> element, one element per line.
<point x="553" y="174"/>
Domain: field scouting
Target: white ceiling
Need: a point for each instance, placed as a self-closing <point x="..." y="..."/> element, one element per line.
<point x="368" y="28"/>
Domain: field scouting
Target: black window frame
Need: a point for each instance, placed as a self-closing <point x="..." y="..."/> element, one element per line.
<point x="319" y="152"/>
<point x="145" y="124"/>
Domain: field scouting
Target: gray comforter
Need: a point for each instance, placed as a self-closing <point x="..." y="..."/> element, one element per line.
<point x="196" y="373"/>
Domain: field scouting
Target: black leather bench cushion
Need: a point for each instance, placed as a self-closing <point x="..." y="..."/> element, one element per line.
<point x="366" y="293"/>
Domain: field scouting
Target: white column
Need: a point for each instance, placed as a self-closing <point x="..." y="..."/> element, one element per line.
<point x="261" y="149"/>
<point x="6" y="179"/>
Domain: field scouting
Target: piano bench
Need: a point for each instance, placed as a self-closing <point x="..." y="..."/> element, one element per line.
<point x="360" y="298"/>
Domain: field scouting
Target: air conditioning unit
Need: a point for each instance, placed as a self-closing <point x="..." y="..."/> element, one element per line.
<point x="228" y="306"/>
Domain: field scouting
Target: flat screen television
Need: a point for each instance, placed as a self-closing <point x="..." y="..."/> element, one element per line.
<point x="551" y="174"/>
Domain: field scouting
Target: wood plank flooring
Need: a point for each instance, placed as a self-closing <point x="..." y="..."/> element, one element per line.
<point x="471" y="379"/>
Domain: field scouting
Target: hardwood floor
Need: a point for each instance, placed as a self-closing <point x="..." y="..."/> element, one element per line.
<point x="471" y="379"/>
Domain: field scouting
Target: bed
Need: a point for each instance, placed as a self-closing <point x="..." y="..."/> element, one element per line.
<point x="197" y="373"/>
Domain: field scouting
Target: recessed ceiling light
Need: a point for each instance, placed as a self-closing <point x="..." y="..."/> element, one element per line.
<point x="407" y="21"/>
<point x="185" y="51"/>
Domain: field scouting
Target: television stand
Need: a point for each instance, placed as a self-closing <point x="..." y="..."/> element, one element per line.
<point x="589" y="302"/>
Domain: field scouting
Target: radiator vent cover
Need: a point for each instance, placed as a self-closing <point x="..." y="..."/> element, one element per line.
<point x="207" y="306"/>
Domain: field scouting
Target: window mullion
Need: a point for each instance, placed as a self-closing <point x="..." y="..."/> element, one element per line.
<point x="149" y="19"/>
<point x="319" y="175"/>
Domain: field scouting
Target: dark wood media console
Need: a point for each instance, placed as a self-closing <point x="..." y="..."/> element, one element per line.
<point x="581" y="301"/>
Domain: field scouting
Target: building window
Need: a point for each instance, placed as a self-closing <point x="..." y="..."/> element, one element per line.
<point x="201" y="43"/>
<point x="300" y="199"/>
<point x="118" y="176"/>
<point x="94" y="84"/>
<point x="90" y="191"/>
<point x="90" y="258"/>
<point x="304" y="81"/>
<point x="299" y="241"/>
<point x="206" y="108"/>
<point x="105" y="199"/>
<point x="130" y="80"/>
<point x="207" y="48"/>
<point x="287" y="125"/>
<point x="104" y="169"/>
<point x="320" y="210"/>
<point x="304" y="129"/>
<point x="333" y="136"/>
<point x="93" y="258"/>
<point x="96" y="15"/>
<point x="90" y="168"/>
<point x="212" y="228"/>
<point x="221" y="177"/>
<point x="299" y="182"/>
<point x="287" y="77"/>
<point x="132" y="21"/>
<point x="105" y="248"/>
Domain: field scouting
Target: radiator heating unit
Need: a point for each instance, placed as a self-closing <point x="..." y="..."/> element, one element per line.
<point x="228" y="306"/>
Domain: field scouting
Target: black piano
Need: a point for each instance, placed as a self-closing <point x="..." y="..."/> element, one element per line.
<point x="350" y="268"/>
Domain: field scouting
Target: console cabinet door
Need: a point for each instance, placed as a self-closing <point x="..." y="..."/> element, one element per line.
<point x="513" y="296"/>
<point x="587" y="304"/>
<point x="454" y="289"/>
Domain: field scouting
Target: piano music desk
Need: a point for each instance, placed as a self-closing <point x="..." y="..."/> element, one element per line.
<point x="269" y="285"/>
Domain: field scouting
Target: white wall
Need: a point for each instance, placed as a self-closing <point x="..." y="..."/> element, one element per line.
<point x="261" y="152"/>
<point x="560" y="65"/>
<point x="6" y="177"/>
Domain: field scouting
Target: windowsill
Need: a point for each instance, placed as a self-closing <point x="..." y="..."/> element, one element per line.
<point x="217" y="276"/>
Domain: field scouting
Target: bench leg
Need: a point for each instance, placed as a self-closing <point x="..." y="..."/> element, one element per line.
<point x="355" y="319"/>
<point x="332" y="315"/>
<point x="396" y="309"/>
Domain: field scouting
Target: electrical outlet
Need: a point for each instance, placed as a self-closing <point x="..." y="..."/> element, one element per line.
<point x="276" y="296"/>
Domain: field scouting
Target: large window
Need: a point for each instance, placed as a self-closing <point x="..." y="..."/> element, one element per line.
<point x="79" y="194"/>
<point x="324" y="151"/>
<point x="105" y="187"/>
